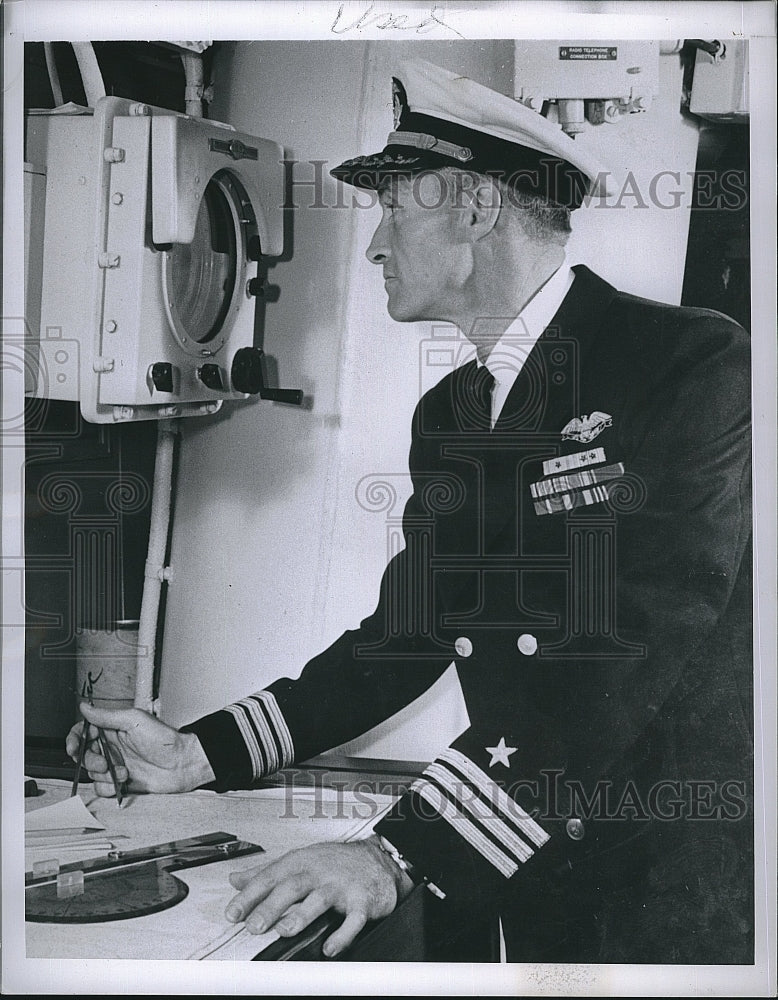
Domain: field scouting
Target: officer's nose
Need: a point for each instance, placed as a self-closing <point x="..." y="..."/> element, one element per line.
<point x="378" y="251"/>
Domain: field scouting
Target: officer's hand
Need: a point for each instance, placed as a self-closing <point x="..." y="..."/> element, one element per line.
<point x="358" y="880"/>
<point x="149" y="755"/>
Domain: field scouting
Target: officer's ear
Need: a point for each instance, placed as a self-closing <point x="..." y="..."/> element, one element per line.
<point x="478" y="201"/>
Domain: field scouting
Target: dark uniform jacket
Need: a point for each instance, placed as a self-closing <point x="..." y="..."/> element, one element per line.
<point x="586" y="565"/>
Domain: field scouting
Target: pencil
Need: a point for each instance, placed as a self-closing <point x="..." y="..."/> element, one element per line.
<point x="109" y="760"/>
<point x="81" y="752"/>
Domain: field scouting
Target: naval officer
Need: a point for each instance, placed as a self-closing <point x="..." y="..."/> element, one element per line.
<point x="577" y="543"/>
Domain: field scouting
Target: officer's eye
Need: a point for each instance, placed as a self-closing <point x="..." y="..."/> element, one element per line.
<point x="388" y="202"/>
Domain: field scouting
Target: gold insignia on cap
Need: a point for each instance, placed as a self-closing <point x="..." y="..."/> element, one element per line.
<point x="399" y="101"/>
<point x="586" y="428"/>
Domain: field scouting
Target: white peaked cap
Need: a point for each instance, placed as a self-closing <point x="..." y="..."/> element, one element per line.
<point x="443" y="118"/>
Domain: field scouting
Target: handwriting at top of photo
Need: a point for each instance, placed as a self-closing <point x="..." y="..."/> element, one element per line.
<point x="384" y="19"/>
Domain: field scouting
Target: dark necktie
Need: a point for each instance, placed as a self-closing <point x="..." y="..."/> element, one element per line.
<point x="475" y="404"/>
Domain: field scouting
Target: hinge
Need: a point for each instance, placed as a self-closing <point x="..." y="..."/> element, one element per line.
<point x="233" y="147"/>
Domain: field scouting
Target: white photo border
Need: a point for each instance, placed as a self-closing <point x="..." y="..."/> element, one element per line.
<point x="269" y="19"/>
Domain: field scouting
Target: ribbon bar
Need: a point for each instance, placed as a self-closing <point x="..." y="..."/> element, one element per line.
<point x="576" y="480"/>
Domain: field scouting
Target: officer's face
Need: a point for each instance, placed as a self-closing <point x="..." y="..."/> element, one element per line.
<point x="415" y="243"/>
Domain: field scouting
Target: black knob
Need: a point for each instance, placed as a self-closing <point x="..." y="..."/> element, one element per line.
<point x="246" y="375"/>
<point x="253" y="247"/>
<point x="211" y="376"/>
<point x="162" y="376"/>
<point x="254" y="286"/>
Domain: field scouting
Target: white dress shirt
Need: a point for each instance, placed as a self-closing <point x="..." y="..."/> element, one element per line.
<point x="511" y="351"/>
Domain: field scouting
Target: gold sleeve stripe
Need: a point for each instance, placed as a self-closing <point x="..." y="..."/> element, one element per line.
<point x="501" y="802"/>
<point x="464" y="827"/>
<point x="479" y="810"/>
<point x="264" y="731"/>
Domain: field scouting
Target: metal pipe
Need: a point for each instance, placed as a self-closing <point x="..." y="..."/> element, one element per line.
<point x="156" y="573"/>
<point x="713" y="48"/>
<point x="571" y="116"/>
<point x="91" y="77"/>
<point x="195" y="80"/>
<point x="51" y="66"/>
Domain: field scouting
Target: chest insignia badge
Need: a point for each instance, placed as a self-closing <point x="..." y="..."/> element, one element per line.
<point x="586" y="428"/>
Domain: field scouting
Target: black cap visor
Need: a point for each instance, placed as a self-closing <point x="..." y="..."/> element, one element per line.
<point x="394" y="161"/>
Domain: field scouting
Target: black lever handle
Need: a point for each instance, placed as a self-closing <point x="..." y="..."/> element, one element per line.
<point x="247" y="376"/>
<point x="294" y="396"/>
